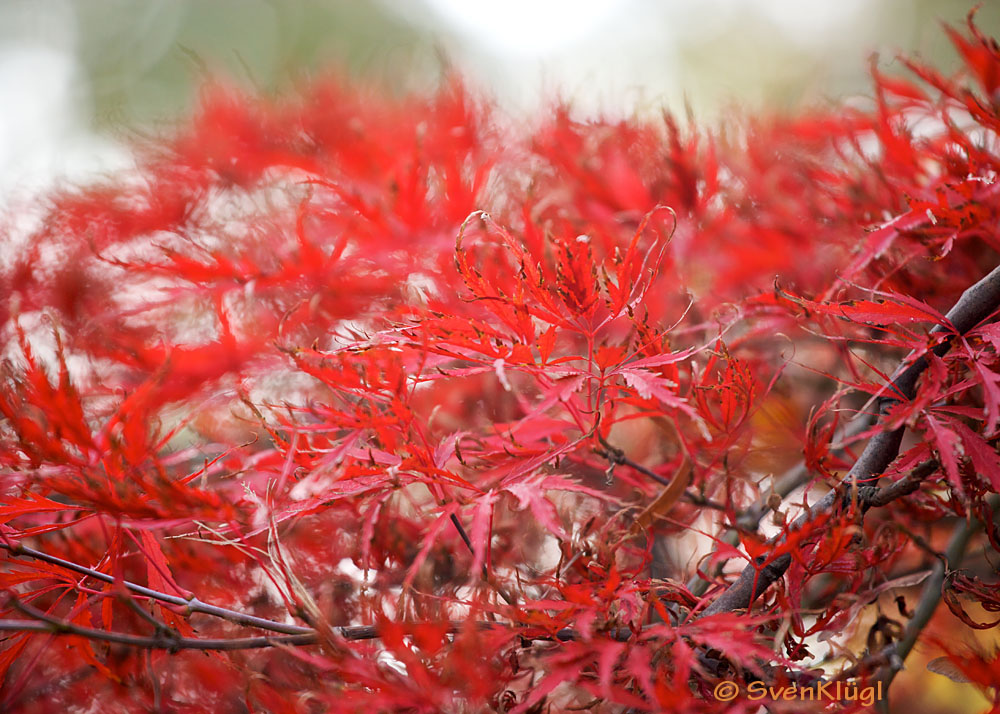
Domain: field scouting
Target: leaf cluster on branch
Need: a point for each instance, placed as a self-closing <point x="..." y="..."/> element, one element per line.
<point x="345" y="402"/>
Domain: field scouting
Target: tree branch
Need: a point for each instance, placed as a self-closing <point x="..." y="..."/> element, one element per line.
<point x="750" y="518"/>
<point x="976" y="304"/>
<point x="903" y="487"/>
<point x="165" y="640"/>
<point x="191" y="605"/>
<point x="929" y="599"/>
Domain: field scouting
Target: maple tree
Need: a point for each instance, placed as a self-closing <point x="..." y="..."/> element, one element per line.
<point x="348" y="402"/>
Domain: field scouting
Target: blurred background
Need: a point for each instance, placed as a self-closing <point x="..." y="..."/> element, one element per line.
<point x="77" y="78"/>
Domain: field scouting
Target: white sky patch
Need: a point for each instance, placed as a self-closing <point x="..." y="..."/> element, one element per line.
<point x="42" y="133"/>
<point x="806" y="16"/>
<point x="526" y="27"/>
<point x="620" y="56"/>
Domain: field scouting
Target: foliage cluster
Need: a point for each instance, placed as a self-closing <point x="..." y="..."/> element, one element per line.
<point x="356" y="403"/>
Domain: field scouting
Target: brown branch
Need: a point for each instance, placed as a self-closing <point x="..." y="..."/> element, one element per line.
<point x="162" y="640"/>
<point x="168" y="640"/>
<point x="889" y="660"/>
<point x="191" y="605"/>
<point x="976" y="304"/>
<point x="909" y="483"/>
<point x="749" y="520"/>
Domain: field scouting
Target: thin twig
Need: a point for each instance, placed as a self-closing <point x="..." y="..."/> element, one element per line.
<point x="155" y="681"/>
<point x="487" y="577"/>
<point x="158" y="625"/>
